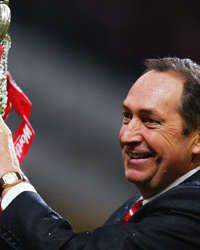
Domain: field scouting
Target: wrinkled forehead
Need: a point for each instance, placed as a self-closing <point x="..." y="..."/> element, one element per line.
<point x="156" y="88"/>
<point x="164" y="81"/>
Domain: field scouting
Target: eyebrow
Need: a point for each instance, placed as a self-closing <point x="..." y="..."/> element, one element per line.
<point x="146" y="112"/>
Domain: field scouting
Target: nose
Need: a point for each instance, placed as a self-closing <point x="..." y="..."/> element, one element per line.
<point x="131" y="133"/>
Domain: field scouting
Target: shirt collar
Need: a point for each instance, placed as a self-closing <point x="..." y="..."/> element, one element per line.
<point x="173" y="184"/>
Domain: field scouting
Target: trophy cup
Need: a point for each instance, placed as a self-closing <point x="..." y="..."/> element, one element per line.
<point x="11" y="96"/>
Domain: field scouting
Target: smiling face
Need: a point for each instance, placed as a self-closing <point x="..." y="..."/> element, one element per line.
<point x="154" y="150"/>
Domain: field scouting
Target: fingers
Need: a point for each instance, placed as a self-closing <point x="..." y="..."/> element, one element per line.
<point x="8" y="158"/>
<point x="4" y="128"/>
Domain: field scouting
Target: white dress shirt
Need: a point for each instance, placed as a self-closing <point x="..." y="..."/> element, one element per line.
<point x="14" y="192"/>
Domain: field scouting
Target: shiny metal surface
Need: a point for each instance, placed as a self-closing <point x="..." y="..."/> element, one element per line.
<point x="5" y="17"/>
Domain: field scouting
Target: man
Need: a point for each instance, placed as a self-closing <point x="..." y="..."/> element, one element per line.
<point x="160" y="143"/>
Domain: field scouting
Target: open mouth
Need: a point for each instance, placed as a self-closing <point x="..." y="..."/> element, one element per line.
<point x="143" y="155"/>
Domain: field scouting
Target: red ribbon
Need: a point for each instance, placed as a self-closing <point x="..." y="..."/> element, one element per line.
<point x="24" y="135"/>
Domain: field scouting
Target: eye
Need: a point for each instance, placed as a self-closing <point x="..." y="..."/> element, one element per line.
<point x="149" y="122"/>
<point x="127" y="116"/>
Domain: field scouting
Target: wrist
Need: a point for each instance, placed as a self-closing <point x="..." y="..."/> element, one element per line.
<point x="5" y="191"/>
<point x="10" y="179"/>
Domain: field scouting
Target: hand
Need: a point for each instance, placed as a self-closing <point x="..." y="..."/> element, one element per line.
<point x="8" y="158"/>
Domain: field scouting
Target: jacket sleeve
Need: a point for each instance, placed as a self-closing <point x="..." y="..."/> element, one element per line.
<point x="30" y="224"/>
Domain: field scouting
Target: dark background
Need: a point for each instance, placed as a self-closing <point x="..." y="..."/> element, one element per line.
<point x="76" y="61"/>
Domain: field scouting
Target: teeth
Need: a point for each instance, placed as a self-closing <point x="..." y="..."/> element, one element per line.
<point x="139" y="155"/>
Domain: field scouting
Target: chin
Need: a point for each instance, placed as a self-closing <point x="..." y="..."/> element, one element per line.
<point x="139" y="177"/>
<point x="134" y="177"/>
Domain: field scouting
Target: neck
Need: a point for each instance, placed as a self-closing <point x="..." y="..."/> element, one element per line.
<point x="155" y="193"/>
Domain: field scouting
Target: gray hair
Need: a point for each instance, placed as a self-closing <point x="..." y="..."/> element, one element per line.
<point x="190" y="100"/>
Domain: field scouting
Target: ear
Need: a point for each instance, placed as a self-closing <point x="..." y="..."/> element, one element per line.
<point x="196" y="143"/>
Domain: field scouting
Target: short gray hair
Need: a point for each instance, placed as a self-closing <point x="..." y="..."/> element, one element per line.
<point x="190" y="100"/>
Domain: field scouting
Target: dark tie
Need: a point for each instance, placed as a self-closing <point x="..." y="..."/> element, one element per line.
<point x="131" y="212"/>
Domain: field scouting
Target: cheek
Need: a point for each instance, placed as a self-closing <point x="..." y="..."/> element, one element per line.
<point x="162" y="141"/>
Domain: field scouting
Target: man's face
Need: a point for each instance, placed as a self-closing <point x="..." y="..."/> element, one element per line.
<point x="154" y="150"/>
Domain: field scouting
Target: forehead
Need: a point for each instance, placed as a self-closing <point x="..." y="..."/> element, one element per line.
<point x="155" y="90"/>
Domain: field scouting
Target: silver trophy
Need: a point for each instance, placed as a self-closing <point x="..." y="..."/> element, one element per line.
<point x="5" y="44"/>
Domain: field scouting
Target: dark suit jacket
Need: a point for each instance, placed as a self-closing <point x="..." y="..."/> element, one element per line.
<point x="169" y="222"/>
